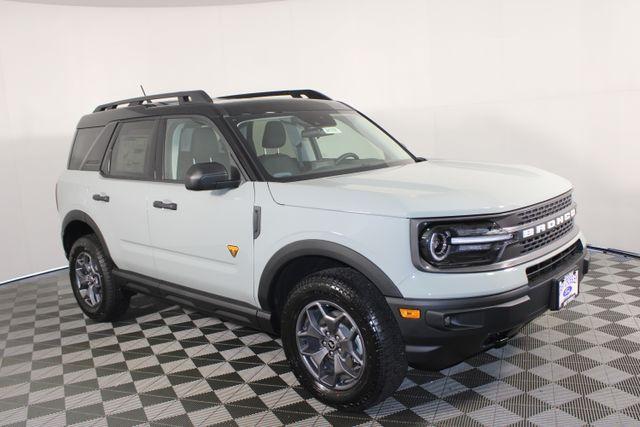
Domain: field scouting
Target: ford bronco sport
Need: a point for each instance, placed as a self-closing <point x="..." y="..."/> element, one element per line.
<point x="299" y="216"/>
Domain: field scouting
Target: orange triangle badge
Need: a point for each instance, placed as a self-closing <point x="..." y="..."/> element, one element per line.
<point x="233" y="250"/>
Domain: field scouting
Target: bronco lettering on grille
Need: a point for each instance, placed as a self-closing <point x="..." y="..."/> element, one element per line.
<point x="548" y="225"/>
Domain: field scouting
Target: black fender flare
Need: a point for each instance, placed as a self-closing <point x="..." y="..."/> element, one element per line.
<point x="77" y="215"/>
<point x="326" y="249"/>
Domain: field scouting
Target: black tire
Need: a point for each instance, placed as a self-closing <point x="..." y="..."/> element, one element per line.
<point x="386" y="362"/>
<point x="114" y="302"/>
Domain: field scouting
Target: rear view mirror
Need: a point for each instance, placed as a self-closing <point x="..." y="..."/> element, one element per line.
<point x="316" y="118"/>
<point x="211" y="176"/>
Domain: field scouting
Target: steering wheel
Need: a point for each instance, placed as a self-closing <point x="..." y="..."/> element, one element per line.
<point x="345" y="156"/>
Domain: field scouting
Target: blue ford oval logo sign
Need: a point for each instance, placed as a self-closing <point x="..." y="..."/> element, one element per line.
<point x="567" y="291"/>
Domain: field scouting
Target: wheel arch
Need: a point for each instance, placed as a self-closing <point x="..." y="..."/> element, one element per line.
<point x="76" y="224"/>
<point x="314" y="255"/>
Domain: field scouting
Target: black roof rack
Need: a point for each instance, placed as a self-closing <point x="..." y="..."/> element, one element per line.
<point x="295" y="93"/>
<point x="183" y="97"/>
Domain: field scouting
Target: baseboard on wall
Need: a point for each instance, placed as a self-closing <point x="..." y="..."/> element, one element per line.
<point x="26" y="276"/>
<point x="614" y="251"/>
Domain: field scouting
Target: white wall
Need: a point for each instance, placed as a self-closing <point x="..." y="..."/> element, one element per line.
<point x="550" y="83"/>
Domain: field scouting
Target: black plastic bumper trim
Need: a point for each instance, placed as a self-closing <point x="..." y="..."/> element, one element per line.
<point x="450" y="331"/>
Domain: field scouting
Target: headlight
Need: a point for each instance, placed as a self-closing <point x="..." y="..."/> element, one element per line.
<point x="437" y="244"/>
<point x="461" y="244"/>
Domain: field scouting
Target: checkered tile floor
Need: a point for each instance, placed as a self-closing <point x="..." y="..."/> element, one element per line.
<point x="166" y="365"/>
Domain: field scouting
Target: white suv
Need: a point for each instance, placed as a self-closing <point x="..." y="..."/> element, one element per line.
<point x="300" y="216"/>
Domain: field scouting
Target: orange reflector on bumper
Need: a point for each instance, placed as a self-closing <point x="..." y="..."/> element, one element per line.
<point x="410" y="313"/>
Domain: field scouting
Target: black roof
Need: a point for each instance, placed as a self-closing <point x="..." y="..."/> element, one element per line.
<point x="193" y="102"/>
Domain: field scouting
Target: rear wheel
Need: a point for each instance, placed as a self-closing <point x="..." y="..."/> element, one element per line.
<point x="93" y="284"/>
<point x="342" y="341"/>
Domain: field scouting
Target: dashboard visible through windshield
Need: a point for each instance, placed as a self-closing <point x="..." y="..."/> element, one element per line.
<point x="308" y="144"/>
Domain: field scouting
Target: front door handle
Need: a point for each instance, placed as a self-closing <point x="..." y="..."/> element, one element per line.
<point x="101" y="197"/>
<point x="165" y="205"/>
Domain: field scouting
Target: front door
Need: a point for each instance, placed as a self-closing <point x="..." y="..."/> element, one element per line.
<point x="201" y="239"/>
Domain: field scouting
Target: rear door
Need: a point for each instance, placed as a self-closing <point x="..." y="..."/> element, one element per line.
<point x="122" y="191"/>
<point x="195" y="234"/>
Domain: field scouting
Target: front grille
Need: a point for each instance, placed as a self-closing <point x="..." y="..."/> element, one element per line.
<point x="546" y="266"/>
<point x="543" y="239"/>
<point x="535" y="230"/>
<point x="543" y="210"/>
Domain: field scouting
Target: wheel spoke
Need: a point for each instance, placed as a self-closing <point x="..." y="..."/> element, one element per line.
<point x="344" y="368"/>
<point x="314" y="327"/>
<point x="91" y="268"/>
<point x="337" y="366"/>
<point x="81" y="274"/>
<point x="335" y="321"/>
<point x="92" y="294"/>
<point x="356" y="358"/>
<point x="317" y="356"/>
<point x="331" y="321"/>
<point x="352" y="333"/>
<point x="323" y="313"/>
<point x="308" y="333"/>
<point x="330" y="378"/>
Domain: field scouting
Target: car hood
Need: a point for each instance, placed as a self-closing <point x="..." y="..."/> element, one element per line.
<point x="433" y="188"/>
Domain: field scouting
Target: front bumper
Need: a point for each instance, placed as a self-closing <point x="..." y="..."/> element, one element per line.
<point x="450" y="331"/>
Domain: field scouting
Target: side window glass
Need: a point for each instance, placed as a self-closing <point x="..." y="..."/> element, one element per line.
<point x="132" y="151"/>
<point x="83" y="143"/>
<point x="192" y="140"/>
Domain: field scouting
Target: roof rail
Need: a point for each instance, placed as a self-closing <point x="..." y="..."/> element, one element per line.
<point x="295" y="93"/>
<point x="183" y="97"/>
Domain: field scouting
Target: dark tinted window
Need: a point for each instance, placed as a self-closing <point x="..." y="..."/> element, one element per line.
<point x="132" y="154"/>
<point x="84" y="142"/>
<point x="94" y="158"/>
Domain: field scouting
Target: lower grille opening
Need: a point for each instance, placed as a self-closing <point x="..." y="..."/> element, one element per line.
<point x="537" y="270"/>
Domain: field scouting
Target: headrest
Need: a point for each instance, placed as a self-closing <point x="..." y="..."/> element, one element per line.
<point x="203" y="136"/>
<point x="274" y="135"/>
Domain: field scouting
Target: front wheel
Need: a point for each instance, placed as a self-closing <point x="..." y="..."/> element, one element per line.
<point x="342" y="340"/>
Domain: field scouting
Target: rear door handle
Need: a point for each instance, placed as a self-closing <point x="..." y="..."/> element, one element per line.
<point x="165" y="205"/>
<point x="101" y="197"/>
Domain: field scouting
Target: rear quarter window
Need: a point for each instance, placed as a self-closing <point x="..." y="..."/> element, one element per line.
<point x="86" y="152"/>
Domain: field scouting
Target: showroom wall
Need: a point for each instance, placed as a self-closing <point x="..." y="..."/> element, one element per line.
<point x="552" y="83"/>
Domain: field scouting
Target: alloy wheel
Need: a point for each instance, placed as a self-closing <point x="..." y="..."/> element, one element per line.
<point x="88" y="279"/>
<point x="330" y="344"/>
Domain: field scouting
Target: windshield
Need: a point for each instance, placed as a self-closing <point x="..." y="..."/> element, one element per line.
<point x="310" y="144"/>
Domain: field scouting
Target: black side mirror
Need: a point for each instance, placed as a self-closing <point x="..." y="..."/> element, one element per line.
<point x="211" y="176"/>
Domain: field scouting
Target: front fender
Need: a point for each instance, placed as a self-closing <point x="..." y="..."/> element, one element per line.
<point x="313" y="247"/>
